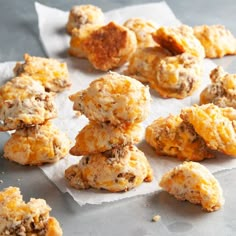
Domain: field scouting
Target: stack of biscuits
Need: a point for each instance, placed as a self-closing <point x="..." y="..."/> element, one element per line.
<point x="27" y="106"/>
<point x="115" y="106"/>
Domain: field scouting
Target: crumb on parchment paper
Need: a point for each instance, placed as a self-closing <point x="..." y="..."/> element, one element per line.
<point x="156" y="218"/>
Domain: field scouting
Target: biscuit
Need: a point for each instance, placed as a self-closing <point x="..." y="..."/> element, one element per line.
<point x="178" y="40"/>
<point x="193" y="182"/>
<point x="215" y="125"/>
<point x="216" y="40"/>
<point x="116" y="170"/>
<point x="143" y="30"/>
<point x="177" y="76"/>
<point x="24" y="102"/>
<point x="20" y="218"/>
<point x="37" y="145"/>
<point x="114" y="99"/>
<point x="222" y="90"/>
<point x="142" y="64"/>
<point x="82" y="15"/>
<point x="107" y="47"/>
<point x="171" y="136"/>
<point x="51" y="73"/>
<point x="95" y="138"/>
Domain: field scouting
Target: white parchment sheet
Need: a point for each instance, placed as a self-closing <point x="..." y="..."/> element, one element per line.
<point x="56" y="42"/>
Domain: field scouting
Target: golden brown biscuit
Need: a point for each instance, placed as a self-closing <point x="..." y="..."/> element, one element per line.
<point x="82" y="15"/>
<point x="52" y="74"/>
<point x="177" y="76"/>
<point x="216" y="40"/>
<point x="171" y="136"/>
<point x="143" y="30"/>
<point x="222" y="90"/>
<point x="178" y="40"/>
<point x="37" y="145"/>
<point x="20" y="218"/>
<point x="107" y="47"/>
<point x="193" y="182"/>
<point x="95" y="138"/>
<point x="115" y="99"/>
<point x="24" y="102"/>
<point x="215" y="125"/>
<point x="116" y="170"/>
<point x="78" y="37"/>
<point x="143" y="63"/>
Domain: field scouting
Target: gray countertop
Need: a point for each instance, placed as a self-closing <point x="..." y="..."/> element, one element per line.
<point x="19" y="34"/>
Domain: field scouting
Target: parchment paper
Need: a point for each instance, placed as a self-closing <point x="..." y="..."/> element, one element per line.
<point x="56" y="41"/>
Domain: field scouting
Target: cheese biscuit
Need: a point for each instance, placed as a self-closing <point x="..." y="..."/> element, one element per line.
<point x="114" y="99"/>
<point x="20" y="218"/>
<point x="51" y="73"/>
<point x="216" y="40"/>
<point x="81" y="15"/>
<point x="107" y="47"/>
<point x="171" y="136"/>
<point x="215" y="125"/>
<point x="24" y="102"/>
<point x="222" y="90"/>
<point x="37" y="145"/>
<point x="116" y="170"/>
<point x="193" y="182"/>
<point x="95" y="138"/>
<point x="177" y="76"/>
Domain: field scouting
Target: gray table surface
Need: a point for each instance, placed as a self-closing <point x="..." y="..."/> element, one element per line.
<point x="132" y="217"/>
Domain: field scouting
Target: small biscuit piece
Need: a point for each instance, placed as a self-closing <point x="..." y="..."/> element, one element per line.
<point x="143" y="63"/>
<point x="116" y="170"/>
<point x="83" y="15"/>
<point x="95" y="138"/>
<point x="24" y="102"/>
<point x="20" y="218"/>
<point x="177" y="76"/>
<point x="217" y="126"/>
<point x="52" y="74"/>
<point x="193" y="182"/>
<point x="178" y="40"/>
<point x="107" y="47"/>
<point x="222" y="90"/>
<point x="216" y="40"/>
<point x="171" y="136"/>
<point x="143" y="30"/>
<point x="115" y="99"/>
<point x="37" y="145"/>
